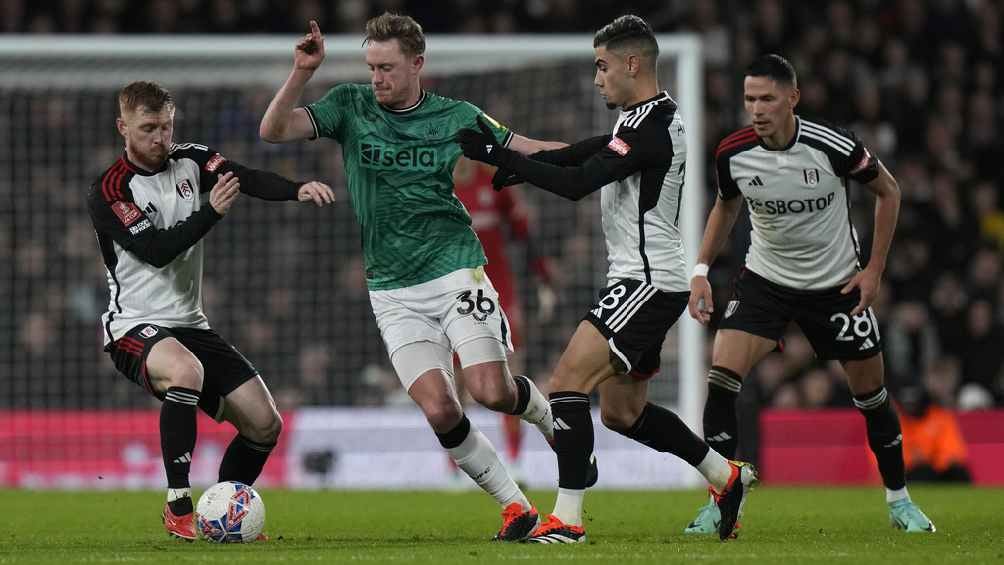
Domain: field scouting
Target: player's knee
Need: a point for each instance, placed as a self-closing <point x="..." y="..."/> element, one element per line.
<point x="563" y="379"/>
<point x="490" y="389"/>
<point x="618" y="420"/>
<point x="442" y="414"/>
<point x="185" y="372"/>
<point x="272" y="429"/>
<point x="266" y="431"/>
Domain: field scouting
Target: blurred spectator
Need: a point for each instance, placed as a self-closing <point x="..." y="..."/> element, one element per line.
<point x="911" y="343"/>
<point x="984" y="355"/>
<point x="933" y="447"/>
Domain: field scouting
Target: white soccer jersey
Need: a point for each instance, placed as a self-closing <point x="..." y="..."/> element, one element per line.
<point x="150" y="226"/>
<point x="641" y="210"/>
<point x="797" y="197"/>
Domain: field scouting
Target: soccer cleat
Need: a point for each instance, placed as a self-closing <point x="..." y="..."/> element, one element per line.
<point x="181" y="527"/>
<point x="904" y="515"/>
<point x="555" y="531"/>
<point x="262" y="537"/>
<point x="593" y="474"/>
<point x="708" y="518"/>
<point x="517" y="523"/>
<point x="730" y="501"/>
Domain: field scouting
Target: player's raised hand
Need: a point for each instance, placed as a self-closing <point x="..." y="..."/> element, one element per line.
<point x="701" y="303"/>
<point x="868" y="282"/>
<point x="315" y="191"/>
<point x="224" y="193"/>
<point x="309" y="50"/>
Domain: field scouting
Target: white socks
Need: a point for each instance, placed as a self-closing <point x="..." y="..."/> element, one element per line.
<point x="716" y="469"/>
<point x="568" y="506"/>
<point x="476" y="457"/>
<point x="894" y="495"/>
<point x="176" y="493"/>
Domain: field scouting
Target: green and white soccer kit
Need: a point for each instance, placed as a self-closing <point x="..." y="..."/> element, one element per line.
<point x="423" y="259"/>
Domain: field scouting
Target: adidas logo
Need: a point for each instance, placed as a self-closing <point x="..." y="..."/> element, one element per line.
<point x="755" y="181"/>
<point x="560" y="424"/>
<point x="488" y="149"/>
<point x="720" y="437"/>
<point x="895" y="442"/>
<point x="868" y="343"/>
<point x="186" y="458"/>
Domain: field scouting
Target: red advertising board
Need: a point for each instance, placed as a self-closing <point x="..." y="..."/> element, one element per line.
<point x="830" y="447"/>
<point x="108" y="449"/>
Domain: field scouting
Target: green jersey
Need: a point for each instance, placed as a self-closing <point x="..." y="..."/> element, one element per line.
<point x="399" y="167"/>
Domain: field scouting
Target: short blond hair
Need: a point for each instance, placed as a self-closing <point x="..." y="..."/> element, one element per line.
<point x="404" y="29"/>
<point x="150" y="95"/>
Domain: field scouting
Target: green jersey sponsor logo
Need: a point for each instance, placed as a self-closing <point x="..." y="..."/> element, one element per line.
<point x="390" y="158"/>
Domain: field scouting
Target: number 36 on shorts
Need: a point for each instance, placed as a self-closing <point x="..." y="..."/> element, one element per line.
<point x="479" y="305"/>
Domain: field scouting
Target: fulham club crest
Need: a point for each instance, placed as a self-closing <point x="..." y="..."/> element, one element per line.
<point x="185" y="189"/>
<point x="811" y="176"/>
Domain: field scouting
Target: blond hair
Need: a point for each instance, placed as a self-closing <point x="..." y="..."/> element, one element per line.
<point x="150" y="95"/>
<point x="404" y="29"/>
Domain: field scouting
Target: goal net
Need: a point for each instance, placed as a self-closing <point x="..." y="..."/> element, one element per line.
<point x="283" y="282"/>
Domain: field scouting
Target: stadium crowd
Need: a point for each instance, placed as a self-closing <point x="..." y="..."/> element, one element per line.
<point x="918" y="81"/>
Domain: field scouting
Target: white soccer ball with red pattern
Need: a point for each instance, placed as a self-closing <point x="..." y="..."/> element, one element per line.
<point x="230" y="512"/>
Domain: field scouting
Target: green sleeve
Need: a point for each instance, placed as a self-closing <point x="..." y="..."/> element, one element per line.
<point x="330" y="114"/>
<point x="502" y="133"/>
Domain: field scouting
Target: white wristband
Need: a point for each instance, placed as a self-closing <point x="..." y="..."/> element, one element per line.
<point x="700" y="270"/>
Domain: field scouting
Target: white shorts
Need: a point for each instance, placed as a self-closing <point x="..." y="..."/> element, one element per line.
<point x="450" y="311"/>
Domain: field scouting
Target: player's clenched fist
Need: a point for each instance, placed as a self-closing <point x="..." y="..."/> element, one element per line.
<point x="701" y="303"/>
<point x="319" y="192"/>
<point x="309" y="50"/>
<point x="224" y="193"/>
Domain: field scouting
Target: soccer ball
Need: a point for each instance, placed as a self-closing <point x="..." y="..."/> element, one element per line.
<point x="230" y="512"/>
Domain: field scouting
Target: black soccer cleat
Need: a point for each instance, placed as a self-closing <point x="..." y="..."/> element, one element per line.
<point x="553" y="530"/>
<point x="517" y="523"/>
<point x="730" y="501"/>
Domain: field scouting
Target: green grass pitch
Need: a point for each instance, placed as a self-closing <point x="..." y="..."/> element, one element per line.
<point x="782" y="525"/>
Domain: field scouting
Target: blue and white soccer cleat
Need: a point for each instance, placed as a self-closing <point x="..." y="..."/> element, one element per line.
<point x="905" y="515"/>
<point x="707" y="520"/>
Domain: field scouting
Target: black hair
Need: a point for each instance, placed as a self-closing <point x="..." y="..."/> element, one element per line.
<point x="774" y="67"/>
<point x="628" y="31"/>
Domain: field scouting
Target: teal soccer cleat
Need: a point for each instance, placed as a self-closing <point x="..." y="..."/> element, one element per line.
<point x="905" y="515"/>
<point x="707" y="520"/>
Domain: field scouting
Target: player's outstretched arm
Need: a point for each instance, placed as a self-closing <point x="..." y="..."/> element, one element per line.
<point x="282" y="122"/>
<point x="574" y="182"/>
<point x="887" y="194"/>
<point x="527" y="146"/>
<point x="720" y="222"/>
<point x="574" y="154"/>
<point x="267" y="185"/>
